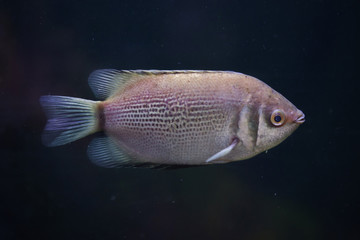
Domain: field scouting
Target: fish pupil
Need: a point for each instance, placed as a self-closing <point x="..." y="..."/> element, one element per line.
<point x="277" y="118"/>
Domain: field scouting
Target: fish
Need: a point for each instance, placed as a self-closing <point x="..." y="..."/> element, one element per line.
<point x="172" y="118"/>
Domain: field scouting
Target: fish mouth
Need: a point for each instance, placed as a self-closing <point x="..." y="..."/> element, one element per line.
<point x="301" y="118"/>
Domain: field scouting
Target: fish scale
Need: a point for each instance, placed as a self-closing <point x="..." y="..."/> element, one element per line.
<point x="171" y="125"/>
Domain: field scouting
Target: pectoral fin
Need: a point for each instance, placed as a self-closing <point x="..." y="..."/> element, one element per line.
<point x="223" y="152"/>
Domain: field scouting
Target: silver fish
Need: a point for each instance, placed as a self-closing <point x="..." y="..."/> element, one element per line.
<point x="172" y="117"/>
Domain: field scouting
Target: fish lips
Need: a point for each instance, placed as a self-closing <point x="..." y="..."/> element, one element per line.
<point x="301" y="118"/>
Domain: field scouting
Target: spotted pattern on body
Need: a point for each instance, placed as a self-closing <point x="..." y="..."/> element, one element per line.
<point x="170" y="126"/>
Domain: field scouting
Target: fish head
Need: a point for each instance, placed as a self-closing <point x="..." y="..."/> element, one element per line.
<point x="278" y="119"/>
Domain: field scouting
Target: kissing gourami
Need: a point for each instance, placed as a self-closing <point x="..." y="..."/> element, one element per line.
<point x="172" y="117"/>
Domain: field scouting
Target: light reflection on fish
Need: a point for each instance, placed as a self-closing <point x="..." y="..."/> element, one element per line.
<point x="172" y="117"/>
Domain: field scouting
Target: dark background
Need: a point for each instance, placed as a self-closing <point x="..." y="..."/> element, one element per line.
<point x="306" y="188"/>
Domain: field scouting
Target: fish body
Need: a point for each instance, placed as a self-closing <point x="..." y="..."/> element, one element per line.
<point x="173" y="117"/>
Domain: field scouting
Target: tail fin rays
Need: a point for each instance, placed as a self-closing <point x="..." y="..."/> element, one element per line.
<point x="69" y="119"/>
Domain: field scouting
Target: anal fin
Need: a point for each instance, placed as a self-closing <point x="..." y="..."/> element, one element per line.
<point x="223" y="152"/>
<point x="104" y="152"/>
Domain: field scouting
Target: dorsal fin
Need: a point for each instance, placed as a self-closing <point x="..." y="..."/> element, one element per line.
<point x="105" y="82"/>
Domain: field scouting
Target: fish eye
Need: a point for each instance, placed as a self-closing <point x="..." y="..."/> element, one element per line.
<point x="277" y="118"/>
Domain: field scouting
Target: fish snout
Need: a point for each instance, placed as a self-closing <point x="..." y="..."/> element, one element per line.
<point x="300" y="117"/>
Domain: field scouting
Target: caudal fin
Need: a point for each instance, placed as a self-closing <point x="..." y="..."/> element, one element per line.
<point x="69" y="119"/>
